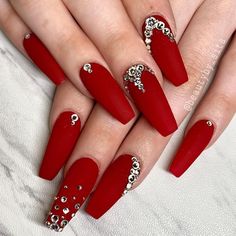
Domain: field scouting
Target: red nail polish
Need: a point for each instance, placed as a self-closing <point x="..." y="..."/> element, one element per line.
<point x="150" y="99"/>
<point x="106" y="91"/>
<point x="43" y="58"/>
<point x="160" y="42"/>
<point x="116" y="181"/>
<point x="75" y="188"/>
<point x="64" y="136"/>
<point x="194" y="143"/>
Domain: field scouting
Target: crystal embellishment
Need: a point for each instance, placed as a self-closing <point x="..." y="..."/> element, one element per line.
<point x="134" y="174"/>
<point x="88" y="67"/>
<point x="134" y="75"/>
<point x="151" y="24"/>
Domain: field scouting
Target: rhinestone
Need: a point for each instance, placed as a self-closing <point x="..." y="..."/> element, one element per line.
<point x="27" y="36"/>
<point x="134" y="172"/>
<point x="166" y="31"/>
<point x="136" y="165"/>
<point x="79" y="187"/>
<point x="160" y="25"/>
<point x="63" y="217"/>
<point x="66" y="210"/>
<point x="87" y="67"/>
<point x="64" y="223"/>
<point x="55" y="198"/>
<point x="171" y="36"/>
<point x="74" y="198"/>
<point x="140" y="67"/>
<point x="129" y="186"/>
<point x="57" y="207"/>
<point x="126" y="78"/>
<point x="209" y="123"/>
<point x="54" y="218"/>
<point x="150" y="22"/>
<point x="148" y="47"/>
<point x="148" y="41"/>
<point x="60" y="230"/>
<point x="148" y="33"/>
<point x="73" y="215"/>
<point x="83" y="198"/>
<point x="47" y="223"/>
<point x="131" y="71"/>
<point x="134" y="159"/>
<point x="131" y="178"/>
<point x="63" y="199"/>
<point x="125" y="192"/>
<point x="65" y="187"/>
<point x="54" y="227"/>
<point x="50" y="213"/>
<point x="137" y="83"/>
<point x="77" y="206"/>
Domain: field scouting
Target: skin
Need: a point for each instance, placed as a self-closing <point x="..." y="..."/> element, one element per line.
<point x="104" y="138"/>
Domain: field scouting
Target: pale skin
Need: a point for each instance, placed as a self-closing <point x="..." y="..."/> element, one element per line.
<point x="205" y="32"/>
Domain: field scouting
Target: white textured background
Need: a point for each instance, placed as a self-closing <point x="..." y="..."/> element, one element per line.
<point x="202" y="202"/>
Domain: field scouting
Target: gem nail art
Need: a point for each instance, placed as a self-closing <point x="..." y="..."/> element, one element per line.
<point x="42" y="58"/>
<point x="61" y="143"/>
<point x="75" y="188"/>
<point x="160" y="42"/>
<point x="103" y="87"/>
<point x="194" y="143"/>
<point x="117" y="180"/>
<point x="144" y="88"/>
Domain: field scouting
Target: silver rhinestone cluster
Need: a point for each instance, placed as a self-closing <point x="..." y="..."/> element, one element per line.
<point x="60" y="214"/>
<point x="134" y="75"/>
<point x="74" y="119"/>
<point x="151" y="24"/>
<point x="134" y="174"/>
<point x="88" y="67"/>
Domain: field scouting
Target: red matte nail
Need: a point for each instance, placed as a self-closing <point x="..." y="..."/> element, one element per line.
<point x="150" y="99"/>
<point x="160" y="42"/>
<point x="194" y="143"/>
<point x="106" y="91"/>
<point x="75" y="188"/>
<point x="116" y="181"/>
<point x="43" y="58"/>
<point x="64" y="135"/>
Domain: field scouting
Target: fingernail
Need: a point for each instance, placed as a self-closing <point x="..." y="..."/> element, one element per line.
<point x="194" y="143"/>
<point x="42" y="58"/>
<point x="117" y="180"/>
<point x="160" y="42"/>
<point x="149" y="98"/>
<point x="106" y="91"/>
<point x="61" y="143"/>
<point x="75" y="188"/>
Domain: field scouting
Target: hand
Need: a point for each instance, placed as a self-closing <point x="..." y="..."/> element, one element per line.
<point x="77" y="46"/>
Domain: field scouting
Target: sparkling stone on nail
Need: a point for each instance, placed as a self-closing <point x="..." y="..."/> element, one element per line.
<point x="54" y="218"/>
<point x="57" y="207"/>
<point x="166" y="31"/>
<point x="150" y="22"/>
<point x="64" y="223"/>
<point x="79" y="187"/>
<point x="131" y="178"/>
<point x="148" y="41"/>
<point x="148" y="33"/>
<point x="73" y="215"/>
<point x="160" y="25"/>
<point x="66" y="210"/>
<point x="54" y="227"/>
<point x="132" y="71"/>
<point x="128" y="186"/>
<point x="87" y="67"/>
<point x="77" y="206"/>
<point x="136" y="165"/>
<point x="65" y="187"/>
<point x="63" y="199"/>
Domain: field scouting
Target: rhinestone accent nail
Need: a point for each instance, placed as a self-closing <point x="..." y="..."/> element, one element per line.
<point x="151" y="24"/>
<point x="134" y="75"/>
<point x="63" y="199"/>
<point x="134" y="174"/>
<point x="79" y="187"/>
<point x="209" y="123"/>
<point x="88" y="67"/>
<point x="66" y="210"/>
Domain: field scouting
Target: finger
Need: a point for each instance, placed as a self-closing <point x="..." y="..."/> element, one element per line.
<point x="69" y="113"/>
<point x="73" y="51"/>
<point x="122" y="47"/>
<point x="142" y="142"/>
<point x="154" y="20"/>
<point x="94" y="150"/>
<point x="212" y="115"/>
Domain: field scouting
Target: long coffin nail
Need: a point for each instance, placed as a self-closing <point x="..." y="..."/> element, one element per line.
<point x="194" y="143"/>
<point x="64" y="135"/>
<point x="116" y="181"/>
<point x="106" y="91"/>
<point x="160" y="43"/>
<point x="74" y="189"/>
<point x="150" y="99"/>
<point x="43" y="58"/>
